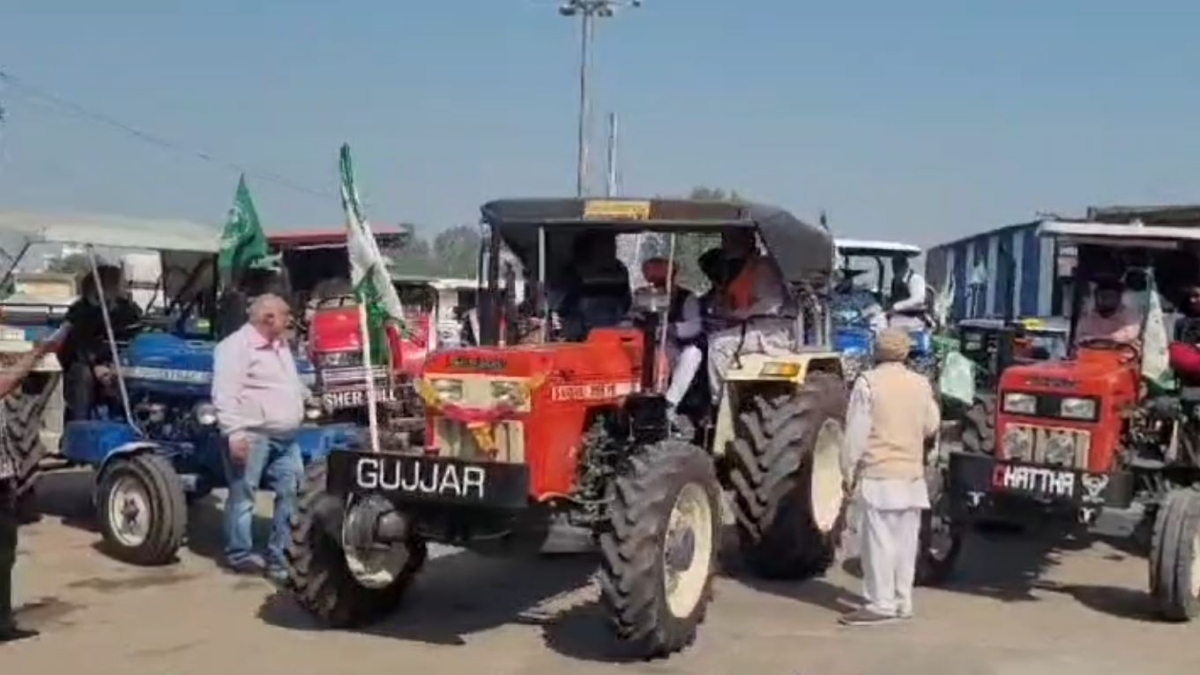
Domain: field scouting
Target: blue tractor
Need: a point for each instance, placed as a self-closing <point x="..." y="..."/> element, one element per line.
<point x="154" y="444"/>
<point x="858" y="308"/>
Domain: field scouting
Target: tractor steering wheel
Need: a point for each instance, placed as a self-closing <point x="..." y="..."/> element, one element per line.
<point x="1108" y="344"/>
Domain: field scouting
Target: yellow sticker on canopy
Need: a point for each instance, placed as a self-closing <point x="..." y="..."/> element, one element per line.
<point x="616" y="209"/>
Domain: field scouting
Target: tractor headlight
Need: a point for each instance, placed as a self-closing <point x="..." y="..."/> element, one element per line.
<point x="514" y="394"/>
<point x="780" y="369"/>
<point x="1020" y="404"/>
<point x="206" y="414"/>
<point x="1078" y="408"/>
<point x="447" y="391"/>
<point x="348" y="359"/>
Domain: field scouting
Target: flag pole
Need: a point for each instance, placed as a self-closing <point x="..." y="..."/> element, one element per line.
<point x="368" y="376"/>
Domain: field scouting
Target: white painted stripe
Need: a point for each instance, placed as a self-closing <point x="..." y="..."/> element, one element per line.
<point x="993" y="268"/>
<point x="1046" y="277"/>
<point x="1018" y="253"/>
<point x="969" y="262"/>
<point x="951" y="280"/>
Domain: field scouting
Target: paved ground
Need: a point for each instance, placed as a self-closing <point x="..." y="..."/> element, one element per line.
<point x="1016" y="608"/>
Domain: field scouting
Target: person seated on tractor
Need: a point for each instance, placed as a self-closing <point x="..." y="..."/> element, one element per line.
<point x="713" y="266"/>
<point x="597" y="287"/>
<point x="908" y="290"/>
<point x="1109" y="318"/>
<point x="852" y="305"/>
<point x="236" y="299"/>
<point x="86" y="356"/>
<point x="685" y="330"/>
<point x="752" y="313"/>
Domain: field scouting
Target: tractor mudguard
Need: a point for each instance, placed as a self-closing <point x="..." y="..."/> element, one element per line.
<point x="93" y="442"/>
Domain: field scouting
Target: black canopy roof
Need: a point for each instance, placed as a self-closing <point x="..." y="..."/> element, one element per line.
<point x="804" y="252"/>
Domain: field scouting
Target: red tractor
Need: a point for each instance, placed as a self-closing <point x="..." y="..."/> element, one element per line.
<point x="1092" y="434"/>
<point x="318" y="274"/>
<point x="553" y="425"/>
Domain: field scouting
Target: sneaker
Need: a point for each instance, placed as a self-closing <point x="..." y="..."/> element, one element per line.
<point x="13" y="634"/>
<point x="277" y="575"/>
<point x="251" y="564"/>
<point x="865" y="617"/>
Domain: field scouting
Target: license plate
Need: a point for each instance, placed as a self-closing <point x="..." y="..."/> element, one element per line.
<point x="420" y="478"/>
<point x="354" y="398"/>
<point x="12" y="335"/>
<point x="1035" y="481"/>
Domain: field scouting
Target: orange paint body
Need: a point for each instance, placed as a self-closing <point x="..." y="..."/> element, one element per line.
<point x="1109" y="376"/>
<point x="571" y="382"/>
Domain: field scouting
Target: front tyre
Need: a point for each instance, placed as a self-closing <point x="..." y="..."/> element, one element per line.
<point x="787" y="479"/>
<point x="320" y="577"/>
<point x="659" y="547"/>
<point x="142" y="509"/>
<point x="1175" y="556"/>
<point x="979" y="427"/>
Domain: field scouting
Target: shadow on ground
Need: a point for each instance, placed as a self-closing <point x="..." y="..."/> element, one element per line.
<point x="461" y="593"/>
<point x="67" y="496"/>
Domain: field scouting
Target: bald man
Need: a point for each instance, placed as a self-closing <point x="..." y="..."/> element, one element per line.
<point x="260" y="404"/>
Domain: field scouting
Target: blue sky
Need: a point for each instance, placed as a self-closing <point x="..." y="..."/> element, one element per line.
<point x="923" y="120"/>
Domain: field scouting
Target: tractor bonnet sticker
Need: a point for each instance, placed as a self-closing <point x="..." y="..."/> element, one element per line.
<point x="596" y="391"/>
<point x="425" y="478"/>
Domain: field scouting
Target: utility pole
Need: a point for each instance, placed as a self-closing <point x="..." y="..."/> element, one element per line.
<point x="587" y="11"/>
<point x="611" y="187"/>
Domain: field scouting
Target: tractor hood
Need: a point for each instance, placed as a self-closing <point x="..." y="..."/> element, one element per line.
<point x="336" y="329"/>
<point x="1090" y="371"/>
<point x="608" y="355"/>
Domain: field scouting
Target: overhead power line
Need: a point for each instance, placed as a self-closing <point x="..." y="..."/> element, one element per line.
<point x="22" y="87"/>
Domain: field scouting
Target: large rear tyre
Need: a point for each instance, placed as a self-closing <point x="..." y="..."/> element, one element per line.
<point x="659" y="548"/>
<point x="319" y="574"/>
<point x="22" y="412"/>
<point x="1175" y="556"/>
<point x="787" y="479"/>
<point x="142" y="509"/>
<point x="979" y="427"/>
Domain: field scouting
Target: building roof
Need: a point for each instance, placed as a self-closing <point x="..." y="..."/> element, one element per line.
<point x="107" y="231"/>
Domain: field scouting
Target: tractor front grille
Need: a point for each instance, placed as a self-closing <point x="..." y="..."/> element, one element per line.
<point x="455" y="439"/>
<point x="1051" y="446"/>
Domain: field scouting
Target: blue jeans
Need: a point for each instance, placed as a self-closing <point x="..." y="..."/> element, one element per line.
<point x="279" y="462"/>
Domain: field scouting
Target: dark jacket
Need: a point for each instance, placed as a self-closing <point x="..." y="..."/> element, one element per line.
<point x="88" y="341"/>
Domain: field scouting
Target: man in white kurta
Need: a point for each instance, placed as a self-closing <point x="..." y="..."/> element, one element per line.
<point x="892" y="413"/>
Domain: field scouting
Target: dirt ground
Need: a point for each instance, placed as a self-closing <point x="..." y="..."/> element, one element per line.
<point x="1016" y="607"/>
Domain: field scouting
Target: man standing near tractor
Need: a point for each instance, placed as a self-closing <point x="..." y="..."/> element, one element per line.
<point x="892" y="413"/>
<point x="260" y="404"/>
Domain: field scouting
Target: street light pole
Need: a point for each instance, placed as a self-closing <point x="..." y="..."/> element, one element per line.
<point x="587" y="11"/>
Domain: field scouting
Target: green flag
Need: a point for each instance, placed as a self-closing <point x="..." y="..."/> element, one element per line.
<point x="243" y="243"/>
<point x="368" y="271"/>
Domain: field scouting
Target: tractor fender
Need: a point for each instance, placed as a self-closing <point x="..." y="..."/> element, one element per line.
<point x="119" y="452"/>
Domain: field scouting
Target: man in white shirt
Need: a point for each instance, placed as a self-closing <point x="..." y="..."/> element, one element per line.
<point x="260" y="401"/>
<point x="907" y="296"/>
<point x="891" y="414"/>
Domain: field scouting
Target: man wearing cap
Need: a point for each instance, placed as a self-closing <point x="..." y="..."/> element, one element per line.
<point x="891" y="415"/>
<point x="1109" y="318"/>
